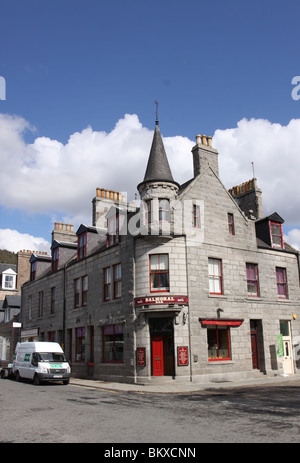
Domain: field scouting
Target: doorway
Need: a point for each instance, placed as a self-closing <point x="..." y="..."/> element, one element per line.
<point x="162" y="346"/>
<point x="254" y="344"/>
<point x="285" y="331"/>
<point x="257" y="345"/>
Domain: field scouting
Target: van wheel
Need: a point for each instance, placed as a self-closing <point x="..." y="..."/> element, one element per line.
<point x="36" y="380"/>
<point x="18" y="377"/>
<point x="66" y="381"/>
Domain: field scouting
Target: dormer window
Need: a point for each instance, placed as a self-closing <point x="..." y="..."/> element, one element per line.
<point x="113" y="229"/>
<point x="276" y="235"/>
<point x="82" y="242"/>
<point x="33" y="271"/>
<point x="9" y="279"/>
<point x="55" y="259"/>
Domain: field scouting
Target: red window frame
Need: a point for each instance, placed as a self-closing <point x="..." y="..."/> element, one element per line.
<point x="84" y="290"/>
<point x="76" y="293"/>
<point x="160" y="274"/>
<point x="231" y="229"/>
<point x="55" y="259"/>
<point x="82" y="245"/>
<point x="113" y="230"/>
<point x="214" y="277"/>
<point x="107" y="277"/>
<point x="276" y="234"/>
<point x="281" y="281"/>
<point x="252" y="279"/>
<point x="117" y="274"/>
<point x="218" y="347"/>
<point x="196" y="216"/>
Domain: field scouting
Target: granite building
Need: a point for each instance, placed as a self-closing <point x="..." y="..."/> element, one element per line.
<point x="191" y="283"/>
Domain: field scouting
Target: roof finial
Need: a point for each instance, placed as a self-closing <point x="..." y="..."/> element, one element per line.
<point x="156" y="104"/>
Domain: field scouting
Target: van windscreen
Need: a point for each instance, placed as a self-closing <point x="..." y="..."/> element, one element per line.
<point x="51" y="357"/>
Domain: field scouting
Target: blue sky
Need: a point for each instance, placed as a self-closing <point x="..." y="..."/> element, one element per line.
<point x="79" y="66"/>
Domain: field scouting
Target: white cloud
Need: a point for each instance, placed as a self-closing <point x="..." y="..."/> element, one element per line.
<point x="293" y="238"/>
<point x="13" y="241"/>
<point x="60" y="180"/>
<point x="274" y="149"/>
<point x="49" y="176"/>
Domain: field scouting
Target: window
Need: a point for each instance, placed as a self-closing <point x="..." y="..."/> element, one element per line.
<point x="252" y="280"/>
<point x="51" y="336"/>
<point x="107" y="284"/>
<point x="231" y="224"/>
<point x="33" y="271"/>
<point x="281" y="283"/>
<point x="76" y="292"/>
<point x="112" y="282"/>
<point x="164" y="210"/>
<point x="196" y="216"/>
<point x="82" y="245"/>
<point x="276" y="235"/>
<point x="55" y="259"/>
<point x="80" y="291"/>
<point x="29" y="307"/>
<point x="218" y="342"/>
<point x="113" y="343"/>
<point x="148" y="211"/>
<point x="159" y="272"/>
<point x="215" y="276"/>
<point x="9" y="282"/>
<point x="52" y="307"/>
<point x="80" y="344"/>
<point x="113" y="229"/>
<point x="41" y="304"/>
<point x="84" y="290"/>
<point x="117" y="281"/>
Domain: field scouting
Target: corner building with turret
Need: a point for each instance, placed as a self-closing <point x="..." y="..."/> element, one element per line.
<point x="191" y="283"/>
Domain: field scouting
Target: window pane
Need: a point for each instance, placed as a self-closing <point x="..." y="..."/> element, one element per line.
<point x="163" y="262"/>
<point x="107" y="275"/>
<point x="154" y="262"/>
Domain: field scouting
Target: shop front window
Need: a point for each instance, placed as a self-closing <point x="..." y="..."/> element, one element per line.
<point x="218" y="342"/>
<point x="113" y="343"/>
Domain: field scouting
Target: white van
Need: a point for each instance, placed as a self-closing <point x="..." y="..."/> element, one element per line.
<point x="41" y="361"/>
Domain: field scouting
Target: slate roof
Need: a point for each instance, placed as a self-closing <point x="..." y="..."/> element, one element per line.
<point x="158" y="168"/>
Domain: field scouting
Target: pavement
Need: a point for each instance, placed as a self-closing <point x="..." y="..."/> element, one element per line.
<point x="175" y="387"/>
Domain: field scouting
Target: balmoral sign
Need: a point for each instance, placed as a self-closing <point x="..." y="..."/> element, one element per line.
<point x="155" y="300"/>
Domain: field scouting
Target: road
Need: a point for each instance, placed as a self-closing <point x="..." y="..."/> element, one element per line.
<point x="61" y="414"/>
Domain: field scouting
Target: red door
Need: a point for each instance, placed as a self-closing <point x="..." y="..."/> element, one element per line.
<point x="255" y="362"/>
<point x="158" y="355"/>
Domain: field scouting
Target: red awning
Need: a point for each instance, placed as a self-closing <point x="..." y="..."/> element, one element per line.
<point x="221" y="321"/>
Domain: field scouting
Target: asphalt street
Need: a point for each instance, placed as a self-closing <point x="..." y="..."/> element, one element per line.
<point x="53" y="413"/>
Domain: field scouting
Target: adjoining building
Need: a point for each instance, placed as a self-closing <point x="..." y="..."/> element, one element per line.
<point x="192" y="283"/>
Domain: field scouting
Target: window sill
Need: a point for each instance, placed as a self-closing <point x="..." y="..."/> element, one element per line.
<point x="220" y="362"/>
<point x="222" y="296"/>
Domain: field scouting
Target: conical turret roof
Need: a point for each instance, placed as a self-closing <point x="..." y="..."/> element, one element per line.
<point x="158" y="168"/>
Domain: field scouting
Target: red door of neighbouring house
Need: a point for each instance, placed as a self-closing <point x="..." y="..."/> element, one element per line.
<point x="255" y="361"/>
<point x="158" y="355"/>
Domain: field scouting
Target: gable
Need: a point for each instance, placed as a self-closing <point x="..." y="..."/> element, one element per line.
<point x="217" y="204"/>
